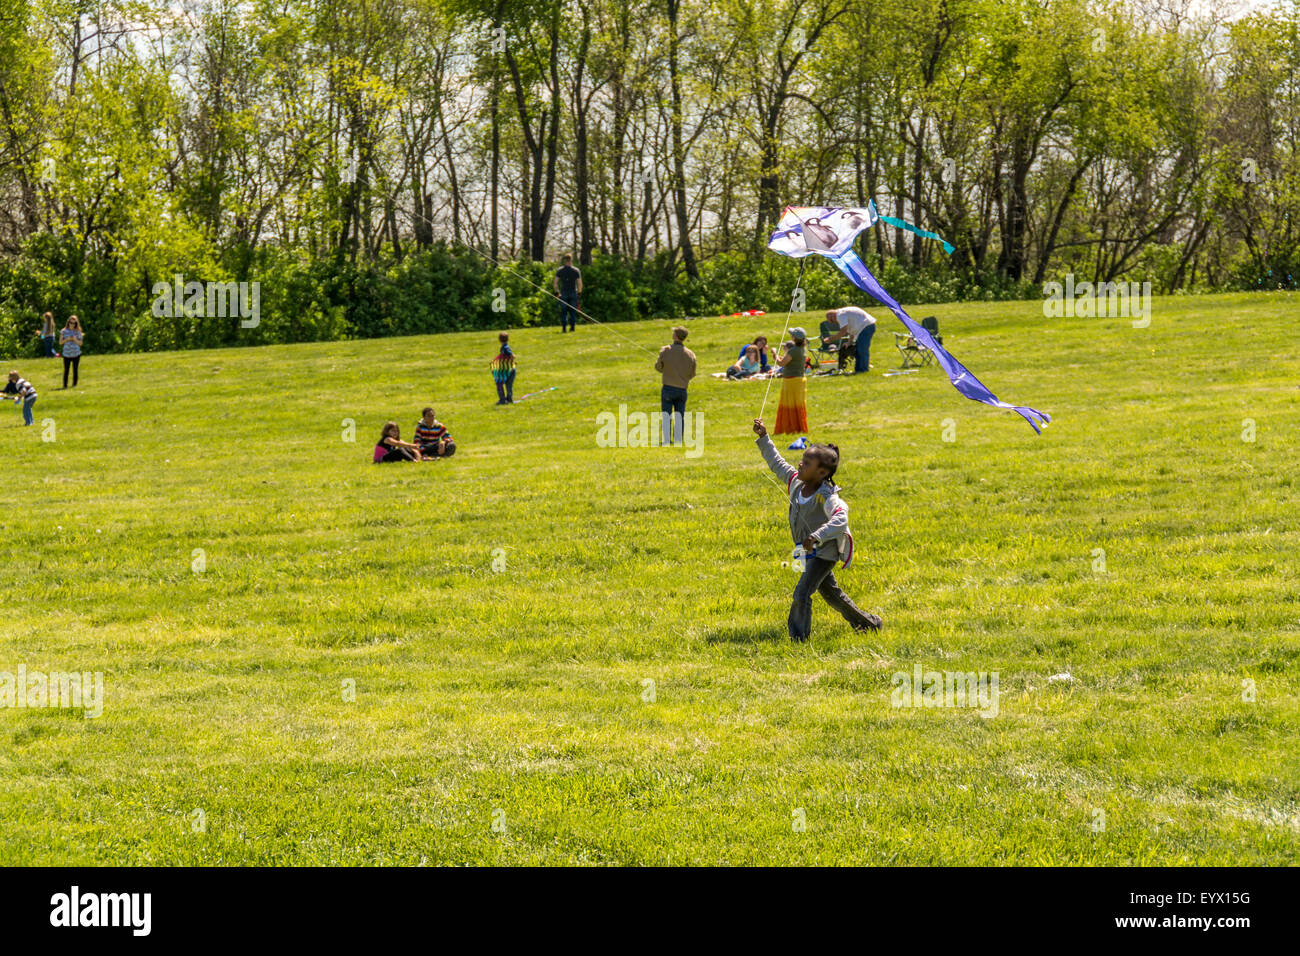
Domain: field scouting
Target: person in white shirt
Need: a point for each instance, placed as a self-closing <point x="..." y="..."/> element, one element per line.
<point x="857" y="326"/>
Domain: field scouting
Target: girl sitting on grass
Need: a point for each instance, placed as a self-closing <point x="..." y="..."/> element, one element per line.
<point x="747" y="365"/>
<point x="819" y="521"/>
<point x="391" y="447"/>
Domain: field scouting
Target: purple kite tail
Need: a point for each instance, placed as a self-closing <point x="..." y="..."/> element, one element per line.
<point x="961" y="377"/>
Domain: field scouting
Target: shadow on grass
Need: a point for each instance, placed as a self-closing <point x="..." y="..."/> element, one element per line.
<point x="746" y="634"/>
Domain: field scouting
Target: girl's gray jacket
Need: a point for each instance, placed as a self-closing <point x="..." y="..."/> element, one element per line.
<point x="824" y="517"/>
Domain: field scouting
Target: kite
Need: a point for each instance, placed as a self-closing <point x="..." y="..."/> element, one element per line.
<point x="830" y="231"/>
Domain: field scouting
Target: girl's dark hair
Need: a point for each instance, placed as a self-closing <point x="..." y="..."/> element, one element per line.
<point x="391" y="426"/>
<point x="828" y="456"/>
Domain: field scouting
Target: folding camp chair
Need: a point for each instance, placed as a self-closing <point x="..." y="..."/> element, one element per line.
<point x="916" y="355"/>
<point x="840" y="351"/>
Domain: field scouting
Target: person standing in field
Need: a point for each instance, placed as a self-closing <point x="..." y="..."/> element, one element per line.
<point x="47" y="335"/>
<point x="71" y="338"/>
<point x="26" y="393"/>
<point x="857" y="326"/>
<point x="792" y="406"/>
<point x="568" y="286"/>
<point x="677" y="363"/>
<point x="503" y="371"/>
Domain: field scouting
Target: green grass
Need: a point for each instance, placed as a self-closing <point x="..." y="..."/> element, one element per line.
<point x="518" y="696"/>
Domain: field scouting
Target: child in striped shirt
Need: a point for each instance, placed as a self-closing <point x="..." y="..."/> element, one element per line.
<point x="25" y="392"/>
<point x="433" y="438"/>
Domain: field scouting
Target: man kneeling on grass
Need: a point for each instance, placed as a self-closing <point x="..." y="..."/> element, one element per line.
<point x="433" y="438"/>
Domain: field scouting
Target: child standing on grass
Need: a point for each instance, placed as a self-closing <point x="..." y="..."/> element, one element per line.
<point x="819" y="521"/>
<point x="26" y="393"/>
<point x="503" y="371"/>
<point x="433" y="438"/>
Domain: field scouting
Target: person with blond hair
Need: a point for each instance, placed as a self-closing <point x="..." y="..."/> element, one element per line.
<point x="47" y="335"/>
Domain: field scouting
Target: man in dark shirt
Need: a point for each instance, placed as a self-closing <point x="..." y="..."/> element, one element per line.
<point x="568" y="286"/>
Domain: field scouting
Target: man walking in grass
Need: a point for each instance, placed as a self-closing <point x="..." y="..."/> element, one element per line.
<point x="677" y="363"/>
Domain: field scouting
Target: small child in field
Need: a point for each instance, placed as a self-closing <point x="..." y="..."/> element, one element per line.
<point x="433" y="438"/>
<point x="390" y="446"/>
<point x="25" y="392"/>
<point x="819" y="521"/>
<point x="503" y="371"/>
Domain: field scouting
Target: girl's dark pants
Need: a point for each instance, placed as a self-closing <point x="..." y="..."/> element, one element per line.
<point x="73" y="362"/>
<point x="818" y="576"/>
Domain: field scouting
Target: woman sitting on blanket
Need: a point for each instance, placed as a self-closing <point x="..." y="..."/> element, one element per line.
<point x="747" y="365"/>
<point x="759" y="343"/>
<point x="392" y="448"/>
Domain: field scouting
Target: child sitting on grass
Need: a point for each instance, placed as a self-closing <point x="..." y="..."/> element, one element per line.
<point x="819" y="521"/>
<point x="433" y="438"/>
<point x="390" y="446"/>
<point x="747" y="365"/>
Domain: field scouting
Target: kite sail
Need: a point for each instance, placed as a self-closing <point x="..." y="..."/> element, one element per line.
<point x="830" y="231"/>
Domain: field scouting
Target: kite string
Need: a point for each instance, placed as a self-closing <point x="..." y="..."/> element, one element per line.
<point x="546" y="291"/>
<point x="793" y="295"/>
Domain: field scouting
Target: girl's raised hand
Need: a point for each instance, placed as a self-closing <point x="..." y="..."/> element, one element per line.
<point x="759" y="428"/>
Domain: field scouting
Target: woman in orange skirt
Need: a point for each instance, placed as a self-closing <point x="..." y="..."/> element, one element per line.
<point x="791" y="410"/>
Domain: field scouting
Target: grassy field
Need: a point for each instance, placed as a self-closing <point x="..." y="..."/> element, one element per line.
<point x="505" y="714"/>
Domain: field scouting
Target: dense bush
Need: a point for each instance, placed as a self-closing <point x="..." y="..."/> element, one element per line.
<point x="439" y="289"/>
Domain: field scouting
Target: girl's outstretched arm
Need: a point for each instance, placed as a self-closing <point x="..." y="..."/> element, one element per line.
<point x="780" y="467"/>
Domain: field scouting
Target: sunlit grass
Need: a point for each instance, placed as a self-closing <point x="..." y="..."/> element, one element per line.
<point x="519" y="696"/>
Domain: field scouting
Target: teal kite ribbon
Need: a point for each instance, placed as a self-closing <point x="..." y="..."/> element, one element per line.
<point x="899" y="223"/>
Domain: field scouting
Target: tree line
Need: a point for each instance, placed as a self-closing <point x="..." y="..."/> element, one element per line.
<point x="397" y="166"/>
